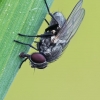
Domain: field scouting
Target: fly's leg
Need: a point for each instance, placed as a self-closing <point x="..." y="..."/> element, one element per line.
<point x="23" y="62"/>
<point x="23" y="55"/>
<point x="46" y="21"/>
<point x="50" y="12"/>
<point x="35" y="36"/>
<point x="26" y="44"/>
<point x="52" y="27"/>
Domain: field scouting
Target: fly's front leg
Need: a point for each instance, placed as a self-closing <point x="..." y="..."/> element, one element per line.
<point x="23" y="62"/>
<point x="30" y="35"/>
<point x="23" y="55"/>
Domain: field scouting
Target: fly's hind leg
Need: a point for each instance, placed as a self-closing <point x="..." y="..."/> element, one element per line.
<point x="46" y="21"/>
<point x="50" y="12"/>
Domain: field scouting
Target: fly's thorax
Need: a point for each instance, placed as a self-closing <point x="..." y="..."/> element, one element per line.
<point x="38" y="61"/>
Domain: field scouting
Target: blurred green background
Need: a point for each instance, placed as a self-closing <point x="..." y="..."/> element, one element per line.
<point x="76" y="75"/>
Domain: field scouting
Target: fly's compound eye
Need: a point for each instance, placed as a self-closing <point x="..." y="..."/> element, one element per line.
<point x="38" y="61"/>
<point x="38" y="58"/>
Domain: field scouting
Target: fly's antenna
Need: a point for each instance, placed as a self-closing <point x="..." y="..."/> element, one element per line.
<point x="34" y="72"/>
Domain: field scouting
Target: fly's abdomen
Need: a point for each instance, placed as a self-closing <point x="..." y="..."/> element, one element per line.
<point x="59" y="17"/>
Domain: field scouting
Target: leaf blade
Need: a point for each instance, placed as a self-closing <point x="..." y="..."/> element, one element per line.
<point x="16" y="16"/>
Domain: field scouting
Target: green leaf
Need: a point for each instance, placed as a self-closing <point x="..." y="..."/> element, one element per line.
<point x="17" y="16"/>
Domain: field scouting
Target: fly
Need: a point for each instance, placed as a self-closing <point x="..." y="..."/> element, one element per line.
<point x="55" y="38"/>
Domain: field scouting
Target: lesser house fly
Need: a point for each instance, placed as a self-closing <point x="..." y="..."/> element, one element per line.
<point x="55" y="38"/>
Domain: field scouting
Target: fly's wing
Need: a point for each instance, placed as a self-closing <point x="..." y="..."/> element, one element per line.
<point x="75" y="9"/>
<point x="69" y="28"/>
<point x="72" y="23"/>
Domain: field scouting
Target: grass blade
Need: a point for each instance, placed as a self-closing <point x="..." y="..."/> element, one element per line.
<point x="17" y="16"/>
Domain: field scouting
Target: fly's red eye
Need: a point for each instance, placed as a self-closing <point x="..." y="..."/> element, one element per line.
<point x="38" y="58"/>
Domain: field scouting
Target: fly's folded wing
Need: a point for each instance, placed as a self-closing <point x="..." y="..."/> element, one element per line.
<point x="67" y="31"/>
<point x="72" y="24"/>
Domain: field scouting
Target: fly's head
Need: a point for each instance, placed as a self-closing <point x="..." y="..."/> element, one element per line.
<point x="37" y="60"/>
